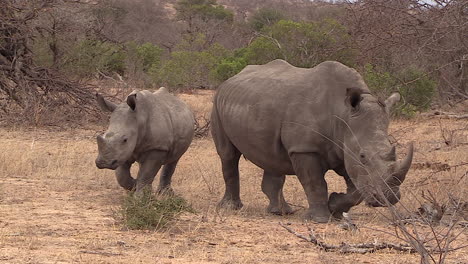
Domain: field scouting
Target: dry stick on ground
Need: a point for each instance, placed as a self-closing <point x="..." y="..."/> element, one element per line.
<point x="361" y="248"/>
<point x="107" y="254"/>
<point x="202" y="128"/>
<point x="446" y="115"/>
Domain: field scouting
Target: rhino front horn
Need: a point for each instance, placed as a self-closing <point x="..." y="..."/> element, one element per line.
<point x="404" y="165"/>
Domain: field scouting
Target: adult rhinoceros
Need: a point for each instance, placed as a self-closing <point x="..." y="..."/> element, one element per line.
<point x="153" y="129"/>
<point x="290" y="120"/>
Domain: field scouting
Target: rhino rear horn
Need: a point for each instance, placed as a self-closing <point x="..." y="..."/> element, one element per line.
<point x="131" y="101"/>
<point x="104" y="104"/>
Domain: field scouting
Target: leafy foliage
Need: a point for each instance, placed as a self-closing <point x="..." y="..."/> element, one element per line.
<point x="150" y="55"/>
<point x="303" y="44"/>
<point x="265" y="17"/>
<point x="415" y="87"/>
<point x="229" y="67"/>
<point x="146" y="211"/>
<point x="189" y="69"/>
<point x="204" y="9"/>
<point x="90" y="56"/>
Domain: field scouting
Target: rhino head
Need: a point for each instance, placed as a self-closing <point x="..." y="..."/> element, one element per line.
<point x="370" y="160"/>
<point x="117" y="144"/>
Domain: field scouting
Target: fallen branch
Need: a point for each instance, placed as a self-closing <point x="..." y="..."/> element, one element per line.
<point x="107" y="254"/>
<point x="446" y="115"/>
<point x="346" y="248"/>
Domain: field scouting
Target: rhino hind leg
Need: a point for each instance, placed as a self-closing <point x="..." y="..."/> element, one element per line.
<point x="166" y="178"/>
<point x="231" y="198"/>
<point x="124" y="177"/>
<point x="312" y="177"/>
<point x="272" y="186"/>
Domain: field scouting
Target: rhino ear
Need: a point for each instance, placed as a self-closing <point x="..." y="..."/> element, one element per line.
<point x="131" y="101"/>
<point x="353" y="97"/>
<point x="104" y="104"/>
<point x="391" y="100"/>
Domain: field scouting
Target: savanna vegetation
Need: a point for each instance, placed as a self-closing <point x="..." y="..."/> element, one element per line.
<point x="54" y="52"/>
<point x="55" y="206"/>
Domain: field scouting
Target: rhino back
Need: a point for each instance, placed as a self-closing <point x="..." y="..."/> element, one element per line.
<point x="270" y="111"/>
<point x="167" y="123"/>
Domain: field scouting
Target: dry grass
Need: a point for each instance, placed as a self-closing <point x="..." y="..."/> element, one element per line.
<point x="56" y="207"/>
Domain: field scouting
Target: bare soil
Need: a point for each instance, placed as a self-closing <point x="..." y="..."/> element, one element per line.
<point x="57" y="207"/>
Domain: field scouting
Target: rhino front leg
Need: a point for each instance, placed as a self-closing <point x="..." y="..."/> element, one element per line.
<point x="165" y="178"/>
<point x="272" y="186"/>
<point x="124" y="178"/>
<point x="149" y="167"/>
<point x="312" y="177"/>
<point x="338" y="203"/>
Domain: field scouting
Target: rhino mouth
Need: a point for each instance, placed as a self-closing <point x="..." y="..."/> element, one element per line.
<point x="113" y="165"/>
<point x="391" y="197"/>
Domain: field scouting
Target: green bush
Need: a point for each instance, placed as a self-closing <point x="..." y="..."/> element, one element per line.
<point x="150" y="55"/>
<point x="380" y="83"/>
<point x="190" y="69"/>
<point x="417" y="88"/>
<point x="414" y="86"/>
<point x="303" y="44"/>
<point x="89" y="56"/>
<point x="229" y="67"/>
<point x="264" y="17"/>
<point x="145" y="211"/>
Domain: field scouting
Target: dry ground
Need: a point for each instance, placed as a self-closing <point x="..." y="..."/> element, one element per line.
<point x="57" y="207"/>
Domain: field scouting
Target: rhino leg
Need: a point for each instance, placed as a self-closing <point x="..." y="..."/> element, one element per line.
<point x="312" y="177"/>
<point x="272" y="186"/>
<point x="231" y="198"/>
<point x="229" y="156"/>
<point x="338" y="203"/>
<point x="124" y="178"/>
<point x="150" y="164"/>
<point x="165" y="178"/>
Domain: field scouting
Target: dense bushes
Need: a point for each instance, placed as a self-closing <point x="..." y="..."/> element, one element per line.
<point x="416" y="88"/>
<point x="197" y="60"/>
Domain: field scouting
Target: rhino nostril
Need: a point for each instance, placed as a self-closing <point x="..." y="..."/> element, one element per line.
<point x="114" y="162"/>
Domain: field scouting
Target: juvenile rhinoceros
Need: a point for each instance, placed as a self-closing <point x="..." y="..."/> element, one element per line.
<point x="153" y="129"/>
<point x="290" y="120"/>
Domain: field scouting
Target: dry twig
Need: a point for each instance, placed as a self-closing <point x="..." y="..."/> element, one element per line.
<point x="361" y="248"/>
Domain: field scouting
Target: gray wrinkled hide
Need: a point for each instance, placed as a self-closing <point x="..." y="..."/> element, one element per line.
<point x="290" y="120"/>
<point x="153" y="129"/>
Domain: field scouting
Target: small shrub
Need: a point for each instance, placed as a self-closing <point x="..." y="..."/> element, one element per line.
<point x="229" y="67"/>
<point x="415" y="87"/>
<point x="265" y="17"/>
<point x="146" y="211"/>
<point x="89" y="56"/>
<point x="150" y="55"/>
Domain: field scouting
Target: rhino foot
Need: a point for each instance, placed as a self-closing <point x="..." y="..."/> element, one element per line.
<point x="319" y="214"/>
<point x="166" y="191"/>
<point x="285" y="210"/>
<point x="230" y="204"/>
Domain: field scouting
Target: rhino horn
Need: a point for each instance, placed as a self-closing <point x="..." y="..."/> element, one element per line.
<point x="391" y="155"/>
<point x="404" y="165"/>
<point x="100" y="141"/>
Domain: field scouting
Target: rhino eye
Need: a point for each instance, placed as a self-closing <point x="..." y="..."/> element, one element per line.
<point x="124" y="140"/>
<point x="363" y="158"/>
